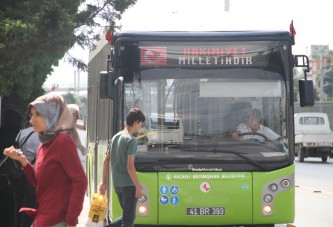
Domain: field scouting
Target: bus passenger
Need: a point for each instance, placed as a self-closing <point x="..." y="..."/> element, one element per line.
<point x="81" y="150"/>
<point x="125" y="181"/>
<point x="252" y="125"/>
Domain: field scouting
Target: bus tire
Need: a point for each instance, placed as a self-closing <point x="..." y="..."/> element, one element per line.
<point x="301" y="154"/>
<point x="324" y="159"/>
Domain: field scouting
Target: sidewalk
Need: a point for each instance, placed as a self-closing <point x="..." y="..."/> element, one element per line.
<point x="84" y="213"/>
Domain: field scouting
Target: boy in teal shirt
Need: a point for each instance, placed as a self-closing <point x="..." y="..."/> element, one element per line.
<point x="125" y="181"/>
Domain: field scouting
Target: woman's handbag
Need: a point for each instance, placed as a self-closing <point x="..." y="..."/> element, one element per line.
<point x="11" y="172"/>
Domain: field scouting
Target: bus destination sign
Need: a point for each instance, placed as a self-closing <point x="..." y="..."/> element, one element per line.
<point x="151" y="56"/>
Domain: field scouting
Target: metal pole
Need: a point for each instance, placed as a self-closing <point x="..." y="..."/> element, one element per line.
<point x="78" y="82"/>
<point x="226" y="5"/>
<point x="322" y="75"/>
<point x="74" y="88"/>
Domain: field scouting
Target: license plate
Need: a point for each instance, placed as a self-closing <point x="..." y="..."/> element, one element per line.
<point x="202" y="211"/>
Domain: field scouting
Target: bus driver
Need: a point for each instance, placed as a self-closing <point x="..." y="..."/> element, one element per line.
<point x="252" y="128"/>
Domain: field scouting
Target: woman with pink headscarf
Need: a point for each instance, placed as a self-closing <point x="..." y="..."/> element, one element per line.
<point x="58" y="176"/>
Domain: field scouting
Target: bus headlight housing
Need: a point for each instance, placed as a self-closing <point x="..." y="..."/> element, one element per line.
<point x="273" y="188"/>
<point x="142" y="206"/>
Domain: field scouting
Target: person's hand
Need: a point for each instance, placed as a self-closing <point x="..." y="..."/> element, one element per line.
<point x="102" y="189"/>
<point x="71" y="225"/>
<point x="235" y="135"/>
<point x="15" y="154"/>
<point x="138" y="192"/>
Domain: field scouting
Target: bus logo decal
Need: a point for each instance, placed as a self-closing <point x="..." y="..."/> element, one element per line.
<point x="245" y="186"/>
<point x="164" y="200"/>
<point x="174" y="189"/>
<point x="174" y="200"/>
<point x="164" y="189"/>
<point x="205" y="187"/>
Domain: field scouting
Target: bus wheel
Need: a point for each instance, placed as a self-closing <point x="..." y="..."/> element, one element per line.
<point x="324" y="159"/>
<point x="301" y="154"/>
<point x="296" y="151"/>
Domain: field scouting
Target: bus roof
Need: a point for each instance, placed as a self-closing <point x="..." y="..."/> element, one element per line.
<point x="207" y="35"/>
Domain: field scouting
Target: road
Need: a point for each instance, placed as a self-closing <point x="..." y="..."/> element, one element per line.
<point x="314" y="193"/>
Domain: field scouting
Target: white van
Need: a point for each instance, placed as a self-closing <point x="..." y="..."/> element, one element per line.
<point x="313" y="136"/>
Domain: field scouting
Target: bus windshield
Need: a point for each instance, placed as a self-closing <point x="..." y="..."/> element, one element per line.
<point x="191" y="111"/>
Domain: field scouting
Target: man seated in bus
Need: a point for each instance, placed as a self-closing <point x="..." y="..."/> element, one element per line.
<point x="252" y="129"/>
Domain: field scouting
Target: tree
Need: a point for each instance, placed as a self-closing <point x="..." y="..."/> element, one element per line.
<point x="69" y="98"/>
<point x="328" y="83"/>
<point x="35" y="34"/>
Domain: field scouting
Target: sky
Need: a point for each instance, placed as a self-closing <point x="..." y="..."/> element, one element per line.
<point x="312" y="21"/>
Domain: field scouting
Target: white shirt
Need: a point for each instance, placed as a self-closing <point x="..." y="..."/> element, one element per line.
<point x="270" y="135"/>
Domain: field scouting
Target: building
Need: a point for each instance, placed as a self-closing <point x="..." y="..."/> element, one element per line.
<point x="321" y="58"/>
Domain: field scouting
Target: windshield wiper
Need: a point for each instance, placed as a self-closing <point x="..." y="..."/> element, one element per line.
<point x="159" y="162"/>
<point x="241" y="155"/>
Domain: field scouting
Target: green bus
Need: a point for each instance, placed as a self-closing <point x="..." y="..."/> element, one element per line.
<point x="194" y="89"/>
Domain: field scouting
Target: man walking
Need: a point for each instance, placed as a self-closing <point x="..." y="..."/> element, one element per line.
<point x="125" y="181"/>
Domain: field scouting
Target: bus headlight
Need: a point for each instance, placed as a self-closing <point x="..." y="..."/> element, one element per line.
<point x="142" y="210"/>
<point x="273" y="187"/>
<point x="285" y="183"/>
<point x="267" y="210"/>
<point x="142" y="199"/>
<point x="268" y="198"/>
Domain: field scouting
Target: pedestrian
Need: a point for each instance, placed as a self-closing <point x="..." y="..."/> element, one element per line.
<point x="24" y="193"/>
<point x="58" y="176"/>
<point x="121" y="153"/>
<point x="82" y="151"/>
<point x="10" y="125"/>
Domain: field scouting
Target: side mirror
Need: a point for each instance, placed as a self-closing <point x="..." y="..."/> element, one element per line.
<point x="306" y="93"/>
<point x="107" y="88"/>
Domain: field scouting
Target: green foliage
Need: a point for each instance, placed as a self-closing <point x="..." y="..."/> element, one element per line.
<point x="69" y="98"/>
<point x="328" y="83"/>
<point x="81" y="101"/>
<point x="36" y="34"/>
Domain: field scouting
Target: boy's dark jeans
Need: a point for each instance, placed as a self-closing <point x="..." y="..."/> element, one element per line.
<point x="127" y="200"/>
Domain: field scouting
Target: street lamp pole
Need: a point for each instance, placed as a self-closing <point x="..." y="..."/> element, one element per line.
<point x="321" y="76"/>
